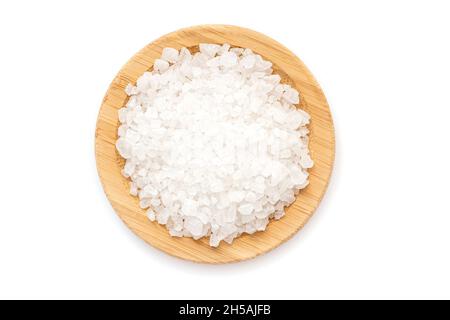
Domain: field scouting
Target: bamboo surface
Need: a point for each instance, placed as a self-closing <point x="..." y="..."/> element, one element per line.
<point x="322" y="145"/>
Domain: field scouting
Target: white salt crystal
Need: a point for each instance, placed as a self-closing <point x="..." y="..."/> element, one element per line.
<point x="123" y="114"/>
<point x="230" y="214"/>
<point x="189" y="207"/>
<point x="194" y="226"/>
<point x="129" y="169"/>
<point x="124" y="148"/>
<point x="151" y="215"/>
<point x="209" y="49"/>
<point x="228" y="59"/>
<point x="237" y="51"/>
<point x="184" y="55"/>
<point x="161" y="65"/>
<point x="133" y="189"/>
<point x="248" y="61"/>
<point x="224" y="48"/>
<point x="288" y="196"/>
<point x="169" y="55"/>
<point x="285" y="153"/>
<point x="247" y="52"/>
<point x="144" y="203"/>
<point x="262" y="65"/>
<point x="291" y="96"/>
<point x="246" y="209"/>
<point x="213" y="143"/>
<point x="249" y="228"/>
<point x="236" y="196"/>
<point x="163" y="216"/>
<point x="261" y="224"/>
<point x="298" y="177"/>
<point x="155" y="202"/>
<point x="306" y="161"/>
<point x="279" y="214"/>
<point x="250" y="197"/>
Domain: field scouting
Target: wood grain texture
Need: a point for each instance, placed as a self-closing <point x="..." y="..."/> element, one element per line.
<point x="292" y="71"/>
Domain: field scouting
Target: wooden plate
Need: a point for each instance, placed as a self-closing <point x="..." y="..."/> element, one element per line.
<point x="292" y="71"/>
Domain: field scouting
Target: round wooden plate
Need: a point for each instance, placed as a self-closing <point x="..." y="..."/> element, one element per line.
<point x="292" y="71"/>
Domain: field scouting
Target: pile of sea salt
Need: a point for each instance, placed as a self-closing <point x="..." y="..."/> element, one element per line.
<point x="213" y="142"/>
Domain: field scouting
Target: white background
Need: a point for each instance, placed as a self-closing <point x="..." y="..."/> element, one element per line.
<point x="382" y="230"/>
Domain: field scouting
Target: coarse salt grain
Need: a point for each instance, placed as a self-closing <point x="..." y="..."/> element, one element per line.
<point x="213" y="142"/>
